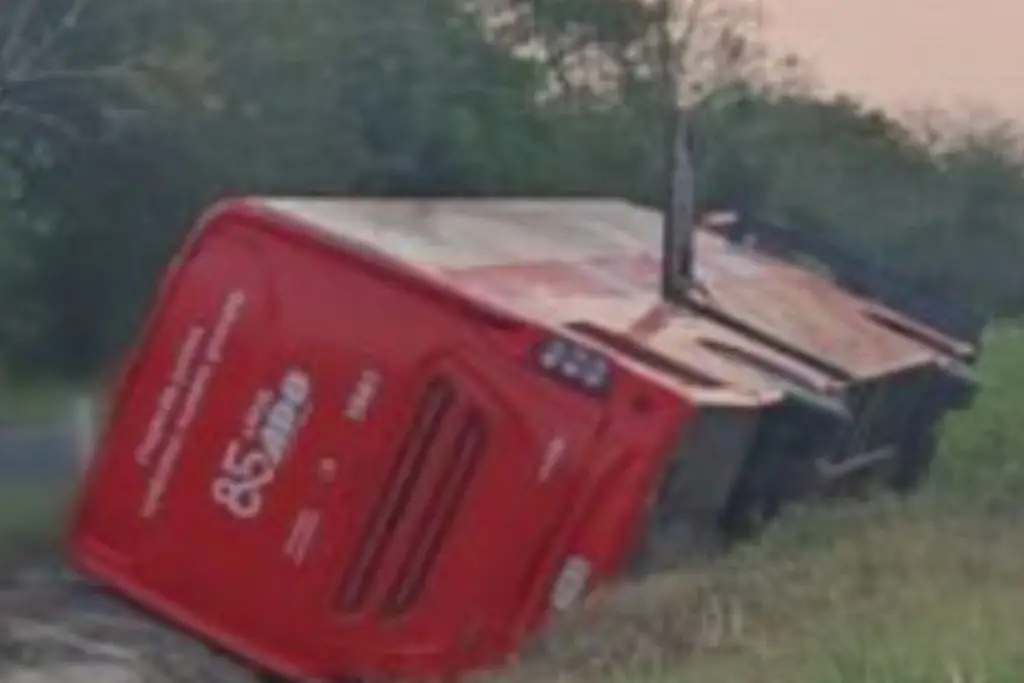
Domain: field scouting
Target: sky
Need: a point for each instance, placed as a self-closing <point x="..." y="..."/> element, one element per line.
<point x="901" y="54"/>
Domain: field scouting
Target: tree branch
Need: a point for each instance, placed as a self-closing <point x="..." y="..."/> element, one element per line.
<point x="43" y="119"/>
<point x="31" y="57"/>
<point x="692" y="20"/>
<point x="97" y="73"/>
<point x="16" y="35"/>
<point x="24" y="63"/>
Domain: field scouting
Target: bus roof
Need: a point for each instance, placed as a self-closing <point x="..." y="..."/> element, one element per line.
<point x="599" y="260"/>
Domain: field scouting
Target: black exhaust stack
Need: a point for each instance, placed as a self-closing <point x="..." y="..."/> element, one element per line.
<point x="678" y="216"/>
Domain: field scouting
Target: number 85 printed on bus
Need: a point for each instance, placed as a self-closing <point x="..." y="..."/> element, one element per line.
<point x="244" y="473"/>
<point x="239" y="487"/>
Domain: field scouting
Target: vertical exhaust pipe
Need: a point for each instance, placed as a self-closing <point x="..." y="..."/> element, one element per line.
<point x="678" y="215"/>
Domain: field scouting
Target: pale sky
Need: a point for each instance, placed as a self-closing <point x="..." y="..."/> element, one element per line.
<point x="901" y="53"/>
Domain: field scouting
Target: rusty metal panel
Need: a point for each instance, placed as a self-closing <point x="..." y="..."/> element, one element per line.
<point x="802" y="308"/>
<point x="599" y="260"/>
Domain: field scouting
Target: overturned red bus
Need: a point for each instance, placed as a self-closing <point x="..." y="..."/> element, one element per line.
<point x="388" y="439"/>
<point x="331" y="463"/>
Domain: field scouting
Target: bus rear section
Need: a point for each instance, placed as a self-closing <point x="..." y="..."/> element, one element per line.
<point x="330" y="465"/>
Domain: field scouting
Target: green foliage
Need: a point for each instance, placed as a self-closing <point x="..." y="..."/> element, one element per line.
<point x="137" y="114"/>
<point x="980" y="463"/>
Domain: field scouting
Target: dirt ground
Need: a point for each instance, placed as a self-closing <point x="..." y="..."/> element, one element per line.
<point x="55" y="629"/>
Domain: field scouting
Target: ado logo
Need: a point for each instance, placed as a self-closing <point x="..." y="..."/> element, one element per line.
<point x="250" y="464"/>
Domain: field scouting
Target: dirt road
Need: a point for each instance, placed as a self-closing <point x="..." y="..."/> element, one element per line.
<point x="55" y="629"/>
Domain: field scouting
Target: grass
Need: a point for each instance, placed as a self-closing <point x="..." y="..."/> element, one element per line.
<point x="926" y="590"/>
<point x="40" y="402"/>
<point x="31" y="520"/>
<point x="32" y="513"/>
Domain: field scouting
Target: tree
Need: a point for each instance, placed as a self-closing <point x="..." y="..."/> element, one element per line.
<point x="73" y="74"/>
<point x="140" y="112"/>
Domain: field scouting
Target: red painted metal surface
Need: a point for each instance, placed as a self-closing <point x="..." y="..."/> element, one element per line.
<point x="312" y="448"/>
